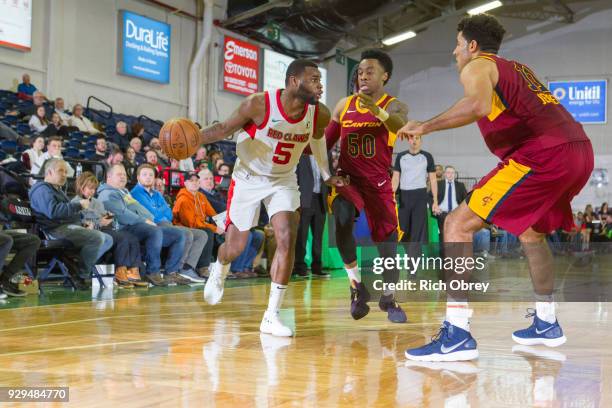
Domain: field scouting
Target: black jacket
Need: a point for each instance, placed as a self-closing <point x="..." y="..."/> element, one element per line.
<point x="460" y="192"/>
<point x="306" y="182"/>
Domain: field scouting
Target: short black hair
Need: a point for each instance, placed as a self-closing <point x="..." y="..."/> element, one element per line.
<point x="485" y="29"/>
<point x="382" y="57"/>
<point x="297" y="67"/>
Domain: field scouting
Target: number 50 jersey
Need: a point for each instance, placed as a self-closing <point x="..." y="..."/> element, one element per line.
<point x="273" y="148"/>
<point x="366" y="145"/>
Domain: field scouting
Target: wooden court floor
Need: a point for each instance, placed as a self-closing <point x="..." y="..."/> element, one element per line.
<point x="170" y="349"/>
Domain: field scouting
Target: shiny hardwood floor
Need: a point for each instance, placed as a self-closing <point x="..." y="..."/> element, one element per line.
<point x="173" y="350"/>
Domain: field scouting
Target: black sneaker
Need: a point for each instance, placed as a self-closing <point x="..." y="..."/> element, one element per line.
<point x="11" y="289"/>
<point x="359" y="300"/>
<point x="394" y="311"/>
<point x="2" y="294"/>
<point x="300" y="273"/>
<point x="320" y="274"/>
<point x="155" y="279"/>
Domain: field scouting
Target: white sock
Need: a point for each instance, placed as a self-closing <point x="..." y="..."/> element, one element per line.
<point x="353" y="274"/>
<point x="388" y="292"/>
<point x="458" y="314"/>
<point x="224" y="269"/>
<point x="277" y="293"/>
<point x="546" y="311"/>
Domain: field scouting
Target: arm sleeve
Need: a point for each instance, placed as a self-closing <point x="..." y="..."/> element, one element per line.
<point x="397" y="166"/>
<point x="431" y="166"/>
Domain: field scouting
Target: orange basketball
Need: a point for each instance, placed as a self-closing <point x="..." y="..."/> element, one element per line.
<point x="179" y="138"/>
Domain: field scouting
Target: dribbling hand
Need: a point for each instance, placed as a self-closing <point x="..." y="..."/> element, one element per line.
<point x="411" y="130"/>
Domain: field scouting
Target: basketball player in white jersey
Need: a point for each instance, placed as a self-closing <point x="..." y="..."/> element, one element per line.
<point x="276" y="127"/>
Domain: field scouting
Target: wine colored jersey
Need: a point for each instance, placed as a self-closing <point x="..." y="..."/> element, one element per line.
<point x="524" y="114"/>
<point x="366" y="145"/>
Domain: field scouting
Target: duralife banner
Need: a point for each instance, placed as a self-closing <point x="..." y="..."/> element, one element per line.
<point x="240" y="66"/>
<point x="16" y="24"/>
<point x="144" y="47"/>
<point x="585" y="100"/>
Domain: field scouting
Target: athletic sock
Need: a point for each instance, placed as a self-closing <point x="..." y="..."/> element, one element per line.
<point x="277" y="293"/>
<point x="224" y="269"/>
<point x="458" y="314"/>
<point x="545" y="308"/>
<point x="389" y="292"/>
<point x="353" y="274"/>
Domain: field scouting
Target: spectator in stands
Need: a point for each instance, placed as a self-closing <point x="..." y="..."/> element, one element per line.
<point x="201" y="158"/>
<point x="61" y="219"/>
<point x="77" y="119"/>
<point x="161" y="156"/>
<point x="152" y="159"/>
<point x="31" y="156"/>
<point x="213" y="156"/>
<point x="56" y="126"/>
<point x="115" y="156"/>
<point x="207" y="187"/>
<point x="451" y="193"/>
<point x="24" y="111"/>
<point x="482" y="242"/>
<point x="440" y="172"/>
<point x="38" y="121"/>
<point x="25" y="247"/>
<point x="54" y="150"/>
<point x="192" y="210"/>
<point x="7" y="133"/>
<point x="138" y="130"/>
<point x="101" y="148"/>
<point x="153" y="201"/>
<point x="25" y="90"/>
<point x="137" y="220"/>
<point x="126" y="248"/>
<point x="603" y="211"/>
<point x="218" y="163"/>
<point x="61" y="111"/>
<point x="130" y="164"/>
<point x="136" y="144"/>
<point x="160" y="185"/>
<point x="121" y="137"/>
<point x="173" y="177"/>
<point x="224" y="169"/>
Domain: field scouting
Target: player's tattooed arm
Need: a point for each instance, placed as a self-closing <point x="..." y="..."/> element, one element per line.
<point x="251" y="109"/>
<point x="398" y="116"/>
<point x="478" y="78"/>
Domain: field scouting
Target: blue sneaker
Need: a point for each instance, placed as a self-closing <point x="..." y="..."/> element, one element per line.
<point x="540" y="332"/>
<point x="359" y="300"/>
<point x="394" y="311"/>
<point x="452" y="343"/>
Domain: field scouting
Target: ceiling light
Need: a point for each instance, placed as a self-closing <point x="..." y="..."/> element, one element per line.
<point x="485" y="7"/>
<point x="394" y="39"/>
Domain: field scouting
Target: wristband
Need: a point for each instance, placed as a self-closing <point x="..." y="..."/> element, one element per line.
<point x="383" y="115"/>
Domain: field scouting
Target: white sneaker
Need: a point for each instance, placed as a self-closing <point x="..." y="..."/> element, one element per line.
<point x="271" y="324"/>
<point x="213" y="291"/>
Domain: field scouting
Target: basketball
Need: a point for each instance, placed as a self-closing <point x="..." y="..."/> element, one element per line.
<point x="179" y="138"/>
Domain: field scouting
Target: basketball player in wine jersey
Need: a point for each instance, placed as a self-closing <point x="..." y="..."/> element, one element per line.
<point x="546" y="159"/>
<point x="276" y="127"/>
<point x="366" y="124"/>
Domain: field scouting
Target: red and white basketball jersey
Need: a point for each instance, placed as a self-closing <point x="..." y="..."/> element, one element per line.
<point x="273" y="148"/>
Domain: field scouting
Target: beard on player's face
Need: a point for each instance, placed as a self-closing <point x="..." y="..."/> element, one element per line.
<point x="306" y="95"/>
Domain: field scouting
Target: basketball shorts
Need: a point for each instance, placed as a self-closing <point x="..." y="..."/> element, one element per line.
<point x="378" y="202"/>
<point x="534" y="189"/>
<point x="247" y="191"/>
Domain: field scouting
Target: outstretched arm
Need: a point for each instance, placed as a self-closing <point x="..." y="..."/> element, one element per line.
<point x="251" y="109"/>
<point x="479" y="78"/>
<point x="318" y="145"/>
